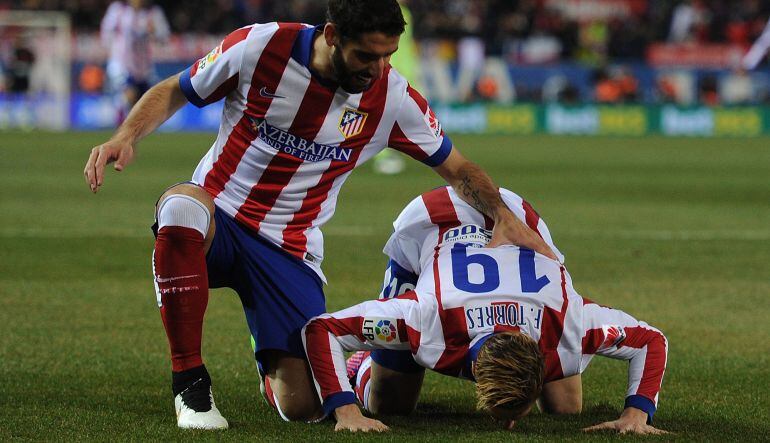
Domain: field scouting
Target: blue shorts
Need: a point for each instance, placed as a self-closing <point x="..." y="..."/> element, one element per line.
<point x="279" y="292"/>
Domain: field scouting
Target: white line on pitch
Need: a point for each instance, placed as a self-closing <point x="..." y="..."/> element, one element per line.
<point x="363" y="231"/>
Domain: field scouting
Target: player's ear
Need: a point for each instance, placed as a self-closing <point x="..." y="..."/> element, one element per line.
<point x="330" y="34"/>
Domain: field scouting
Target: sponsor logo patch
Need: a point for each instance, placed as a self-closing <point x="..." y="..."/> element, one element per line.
<point x="380" y="330"/>
<point x="352" y="122"/>
<point x="210" y="58"/>
<point x="433" y="122"/>
<point x="295" y="146"/>
<point x="468" y="234"/>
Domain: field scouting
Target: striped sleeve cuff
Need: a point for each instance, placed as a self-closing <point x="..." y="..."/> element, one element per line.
<point x="337" y="400"/>
<point x="643" y="404"/>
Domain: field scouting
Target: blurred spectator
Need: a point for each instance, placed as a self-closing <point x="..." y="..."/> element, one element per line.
<point x="689" y="21"/>
<point x="707" y="90"/>
<point x="19" y="68"/>
<point x="666" y="90"/>
<point x="617" y="85"/>
<point x="127" y="29"/>
<point x="737" y="88"/>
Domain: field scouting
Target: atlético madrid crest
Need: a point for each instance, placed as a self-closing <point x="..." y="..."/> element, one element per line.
<point x="352" y="122"/>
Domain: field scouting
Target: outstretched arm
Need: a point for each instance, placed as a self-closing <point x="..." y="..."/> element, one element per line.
<point x="475" y="187"/>
<point x="615" y="334"/>
<point x="154" y="108"/>
<point x="366" y="326"/>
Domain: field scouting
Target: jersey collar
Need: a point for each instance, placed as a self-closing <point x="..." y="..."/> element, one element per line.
<point x="472" y="355"/>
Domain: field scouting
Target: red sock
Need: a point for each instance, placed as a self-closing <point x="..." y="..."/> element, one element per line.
<point x="182" y="284"/>
<point x="269" y="393"/>
<point x="360" y="388"/>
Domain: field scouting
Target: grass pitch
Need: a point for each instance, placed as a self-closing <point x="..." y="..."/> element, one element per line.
<point x="674" y="231"/>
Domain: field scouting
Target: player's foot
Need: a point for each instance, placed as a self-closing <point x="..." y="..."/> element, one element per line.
<point x="354" y="363"/>
<point x="194" y="402"/>
<point x="195" y="408"/>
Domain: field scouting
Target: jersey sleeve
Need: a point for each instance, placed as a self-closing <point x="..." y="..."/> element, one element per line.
<point x="217" y="73"/>
<point x="615" y="334"/>
<point x="370" y="325"/>
<point x="417" y="132"/>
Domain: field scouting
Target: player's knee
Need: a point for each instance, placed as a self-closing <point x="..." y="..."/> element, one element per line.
<point x="187" y="206"/>
<point x="569" y="408"/>
<point x="189" y="190"/>
<point x="302" y="408"/>
<point x="393" y="407"/>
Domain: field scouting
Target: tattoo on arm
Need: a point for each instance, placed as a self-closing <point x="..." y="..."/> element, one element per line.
<point x="472" y="194"/>
<point x="478" y="190"/>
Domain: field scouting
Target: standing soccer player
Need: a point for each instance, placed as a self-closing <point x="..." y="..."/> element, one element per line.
<point x="128" y="30"/>
<point x="304" y="106"/>
<point x="505" y="317"/>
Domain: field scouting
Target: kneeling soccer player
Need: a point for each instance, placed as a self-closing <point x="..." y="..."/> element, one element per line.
<point x="505" y="317"/>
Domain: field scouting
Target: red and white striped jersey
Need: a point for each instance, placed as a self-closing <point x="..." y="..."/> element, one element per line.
<point x="128" y="32"/>
<point x="464" y="293"/>
<point x="441" y="215"/>
<point x="289" y="139"/>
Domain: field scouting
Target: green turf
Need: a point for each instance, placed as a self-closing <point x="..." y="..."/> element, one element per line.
<point x="675" y="231"/>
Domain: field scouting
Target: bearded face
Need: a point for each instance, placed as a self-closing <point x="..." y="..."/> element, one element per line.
<point x="359" y="63"/>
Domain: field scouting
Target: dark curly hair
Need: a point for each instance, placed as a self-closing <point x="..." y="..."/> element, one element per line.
<point x="355" y="17"/>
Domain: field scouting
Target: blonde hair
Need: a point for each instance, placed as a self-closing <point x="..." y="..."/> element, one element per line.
<point x="509" y="373"/>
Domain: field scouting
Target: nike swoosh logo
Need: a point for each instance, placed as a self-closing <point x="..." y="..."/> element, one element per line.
<point x="265" y="93"/>
<point x="169" y="279"/>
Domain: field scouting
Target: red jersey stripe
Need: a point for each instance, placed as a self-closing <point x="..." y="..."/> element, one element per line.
<point x="282" y="167"/>
<point x="373" y="103"/>
<point x="408" y="147"/>
<point x="655" y="361"/>
<point x="268" y="72"/>
<point x="532" y="217"/>
<point x="235" y="37"/>
<point x="441" y="210"/>
<point x="552" y="329"/>
<point x="419" y="99"/>
<point x="229" y="85"/>
<point x="320" y="357"/>
<point x="456" y="339"/>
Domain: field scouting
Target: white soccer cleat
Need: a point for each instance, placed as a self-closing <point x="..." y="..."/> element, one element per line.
<point x="195" y="408"/>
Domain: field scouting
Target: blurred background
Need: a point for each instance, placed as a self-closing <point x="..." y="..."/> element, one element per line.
<point x="622" y="67"/>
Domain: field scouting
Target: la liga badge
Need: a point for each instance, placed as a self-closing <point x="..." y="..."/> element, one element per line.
<point x="379" y="330"/>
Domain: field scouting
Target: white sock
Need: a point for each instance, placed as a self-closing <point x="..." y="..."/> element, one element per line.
<point x="184" y="211"/>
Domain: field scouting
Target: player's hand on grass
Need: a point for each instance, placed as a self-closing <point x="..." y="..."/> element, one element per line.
<point x="349" y="418"/>
<point x="122" y="153"/>
<point x="631" y="421"/>
<point x="510" y="230"/>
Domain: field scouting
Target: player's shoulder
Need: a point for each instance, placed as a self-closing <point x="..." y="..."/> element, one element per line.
<point x="261" y="33"/>
<point x="397" y="81"/>
<point x="414" y="211"/>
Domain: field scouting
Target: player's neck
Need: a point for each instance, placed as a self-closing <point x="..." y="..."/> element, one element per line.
<point x="321" y="58"/>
